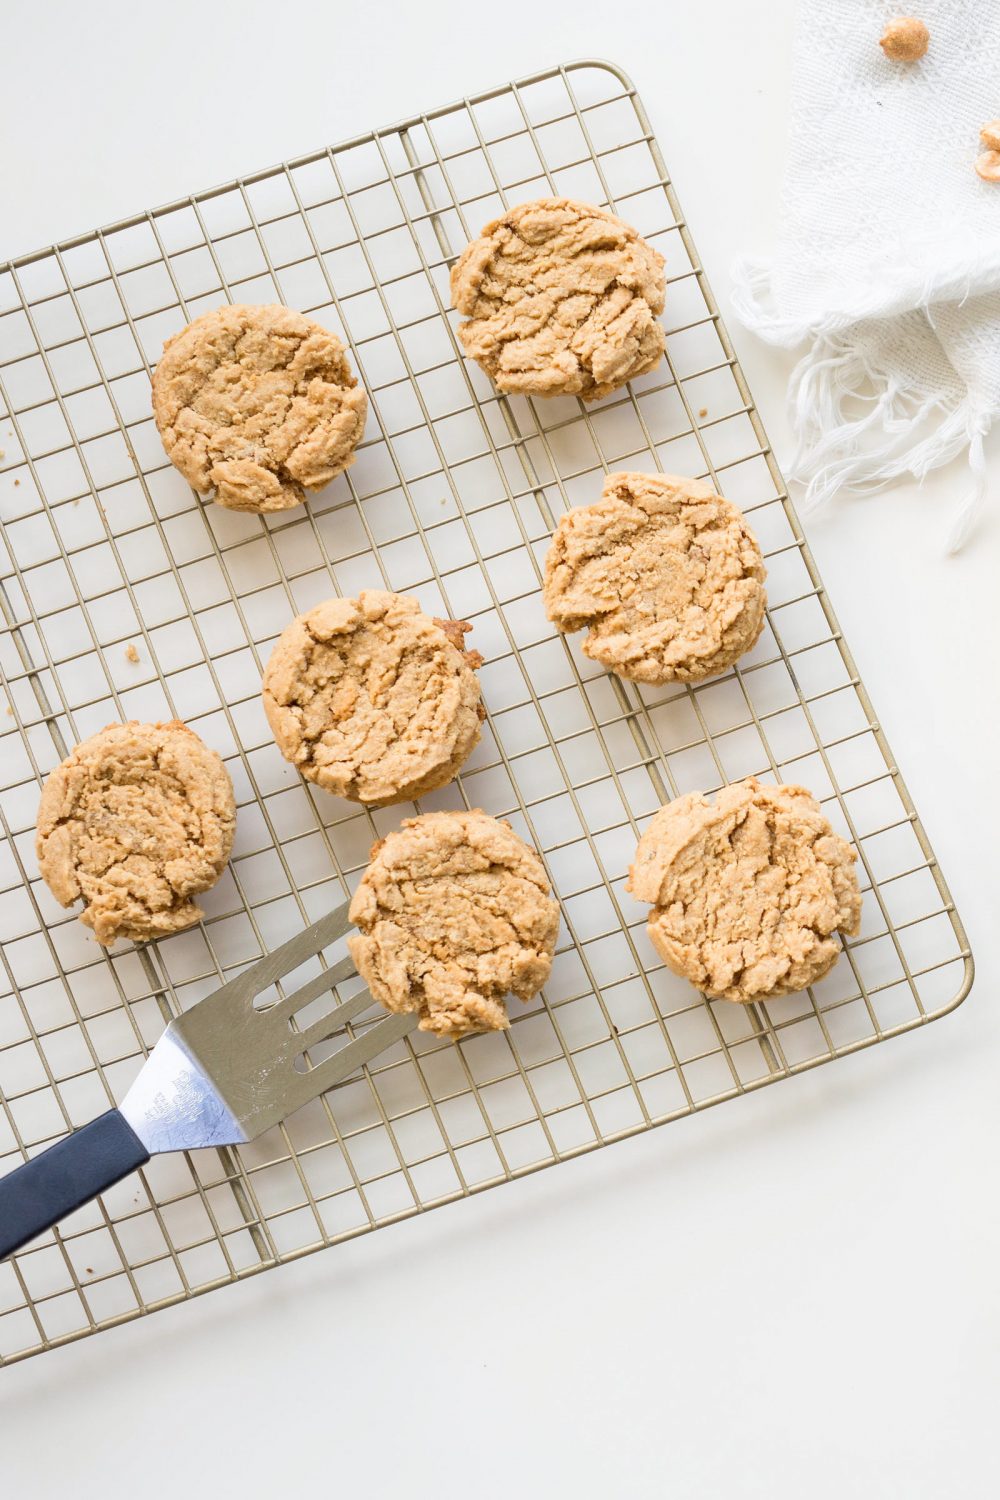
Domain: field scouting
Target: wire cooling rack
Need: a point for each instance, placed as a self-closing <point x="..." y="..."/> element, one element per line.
<point x="126" y="597"/>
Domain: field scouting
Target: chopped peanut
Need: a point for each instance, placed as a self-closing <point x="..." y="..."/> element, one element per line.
<point x="988" y="165"/>
<point x="905" y="39"/>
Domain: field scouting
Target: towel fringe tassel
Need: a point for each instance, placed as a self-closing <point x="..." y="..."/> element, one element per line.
<point x="857" y="426"/>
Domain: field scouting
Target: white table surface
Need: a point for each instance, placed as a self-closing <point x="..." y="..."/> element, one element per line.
<point x="795" y="1295"/>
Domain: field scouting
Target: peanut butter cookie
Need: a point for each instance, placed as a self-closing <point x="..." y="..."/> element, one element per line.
<point x="136" y="821"/>
<point x="561" y="299"/>
<point x="372" y="699"/>
<point x="665" y="575"/>
<point x="455" y="911"/>
<point x="747" y="893"/>
<point x="257" y="405"/>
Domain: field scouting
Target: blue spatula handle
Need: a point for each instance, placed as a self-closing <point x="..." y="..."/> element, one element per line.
<point x="68" y="1174"/>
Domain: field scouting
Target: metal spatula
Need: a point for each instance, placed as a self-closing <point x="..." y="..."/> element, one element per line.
<point x="221" y="1074"/>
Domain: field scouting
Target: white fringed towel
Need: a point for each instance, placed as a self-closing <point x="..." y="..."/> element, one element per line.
<point x="888" y="255"/>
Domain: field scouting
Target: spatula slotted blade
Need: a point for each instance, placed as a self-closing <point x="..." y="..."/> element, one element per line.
<point x="221" y="1073"/>
<point x="225" y="1071"/>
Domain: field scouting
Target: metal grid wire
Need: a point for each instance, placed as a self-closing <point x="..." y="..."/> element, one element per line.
<point x="453" y="497"/>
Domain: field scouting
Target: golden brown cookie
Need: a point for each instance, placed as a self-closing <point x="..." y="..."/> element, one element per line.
<point x="257" y="405"/>
<point x="665" y="575"/>
<point x="747" y="893"/>
<point x="372" y="699"/>
<point x="455" y="911"/>
<point x="561" y="299"/>
<point x="136" y="821"/>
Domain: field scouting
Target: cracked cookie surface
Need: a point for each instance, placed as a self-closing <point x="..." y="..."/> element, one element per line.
<point x="136" y="821"/>
<point x="257" y="405"/>
<point x="664" y="574"/>
<point x="455" y="912"/>
<point x="372" y="699"/>
<point x="748" y="893"/>
<point x="561" y="299"/>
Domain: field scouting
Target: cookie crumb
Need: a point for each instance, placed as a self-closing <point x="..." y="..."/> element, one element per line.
<point x="17" y="482"/>
<point x="456" y="631"/>
<point x="131" y="654"/>
<point x="905" y="39"/>
<point x="989" y="135"/>
<point x="987" y="164"/>
<point x="9" y="711"/>
<point x="703" y="411"/>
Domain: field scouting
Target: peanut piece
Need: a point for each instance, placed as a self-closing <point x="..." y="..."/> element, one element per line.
<point x="905" y="39"/>
<point x="987" y="164"/>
